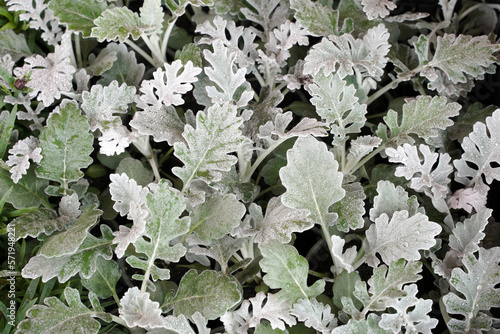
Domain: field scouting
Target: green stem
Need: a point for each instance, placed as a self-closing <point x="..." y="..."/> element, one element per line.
<point x="262" y="156"/>
<point x="141" y="52"/>
<point x="166" y="36"/>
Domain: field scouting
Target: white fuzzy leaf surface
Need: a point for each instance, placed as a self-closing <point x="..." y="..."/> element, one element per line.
<point x="399" y="237"/>
<point x="272" y="310"/>
<point x="137" y="309"/>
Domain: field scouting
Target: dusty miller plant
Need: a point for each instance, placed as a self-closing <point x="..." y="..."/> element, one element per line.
<point x="184" y="166"/>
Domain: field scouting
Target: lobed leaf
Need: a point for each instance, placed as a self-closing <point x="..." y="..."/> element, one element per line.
<point x="118" y="24"/>
<point x="478" y="289"/>
<point x="423" y="116"/>
<point x="57" y="318"/>
<point x="82" y="261"/>
<point x="137" y="309"/>
<point x="164" y="225"/>
<point x="104" y="279"/>
<point x="287" y="270"/>
<point x="43" y="221"/>
<point x="101" y="104"/>
<point x="400" y="237"/>
<point x="318" y="19"/>
<point x="206" y="153"/>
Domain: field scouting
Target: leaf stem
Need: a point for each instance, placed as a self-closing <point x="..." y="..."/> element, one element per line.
<point x="166" y="36"/>
<point x="141" y="52"/>
<point x="262" y="156"/>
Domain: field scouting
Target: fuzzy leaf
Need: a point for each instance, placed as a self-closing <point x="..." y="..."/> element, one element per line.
<point x="343" y="260"/>
<point x="67" y="242"/>
<point x="167" y="86"/>
<point x="287" y="270"/>
<point x="390" y="199"/>
<point x="369" y="325"/>
<point x="102" y="103"/>
<point x="118" y="23"/>
<point x="280" y="222"/>
<point x="135" y="170"/>
<point x="216" y="217"/>
<point x="462" y="55"/>
<point x="206" y="153"/>
<point x="274" y="311"/>
<point x="315" y="315"/>
<point x="78" y="15"/>
<point x="13" y="44"/>
<point x="466" y="236"/>
<point x="210" y="293"/>
<point x="350" y="209"/>
<point x="50" y="75"/>
<point x="57" y="318"/>
<point x="66" y="144"/>
<point x="28" y="192"/>
<point x="478" y="291"/>
<point x="138" y="310"/>
<point x="125" y="69"/>
<point x="345" y="55"/>
<point x="377" y="8"/>
<point x="318" y="19"/>
<point x="433" y="181"/>
<point x="337" y="104"/>
<point x="481" y="149"/>
<point x="385" y="285"/>
<point x="162" y="123"/>
<point x="415" y="320"/>
<point x="104" y="279"/>
<point x="126" y="193"/>
<point x="220" y="250"/>
<point x="82" y="261"/>
<point x="423" y="116"/>
<point x="401" y="237"/>
<point x="164" y="225"/>
<point x="232" y="85"/>
<point x="312" y="180"/>
<point x="42" y="221"/>
<point x="152" y="15"/>
<point x="20" y="154"/>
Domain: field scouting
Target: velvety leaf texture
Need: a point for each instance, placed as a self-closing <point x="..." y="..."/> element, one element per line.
<point x="318" y="19"/>
<point x="66" y="144"/>
<point x="211" y="293"/>
<point x="423" y="116"/>
<point x="164" y="225"/>
<point x="117" y="23"/>
<point x="57" y="318"/>
<point x="311" y="180"/>
<point x="208" y="146"/>
<point x="400" y="237"/>
<point x="78" y="15"/>
<point x="82" y="261"/>
<point x="42" y="221"/>
<point x="287" y="270"/>
<point x="478" y="289"/>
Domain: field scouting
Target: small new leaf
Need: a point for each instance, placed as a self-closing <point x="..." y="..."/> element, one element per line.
<point x="138" y="310"/>
<point x="102" y="103"/>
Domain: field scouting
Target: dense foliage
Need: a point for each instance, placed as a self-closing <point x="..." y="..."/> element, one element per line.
<point x="249" y="166"/>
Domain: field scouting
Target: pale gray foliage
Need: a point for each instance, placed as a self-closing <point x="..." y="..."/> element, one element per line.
<point x="138" y="310"/>
<point x="19" y="156"/>
<point x="272" y="310"/>
<point x="315" y="315"/>
<point x="400" y="237"/>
